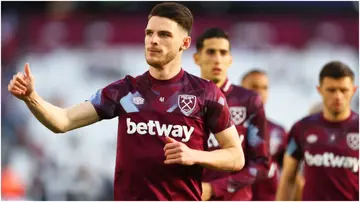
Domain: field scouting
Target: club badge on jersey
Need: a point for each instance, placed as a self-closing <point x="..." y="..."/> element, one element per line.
<point x="352" y="140"/>
<point x="238" y="114"/>
<point x="187" y="104"/>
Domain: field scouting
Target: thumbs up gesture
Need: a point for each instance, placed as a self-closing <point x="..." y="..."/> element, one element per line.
<point x="22" y="85"/>
<point x="178" y="153"/>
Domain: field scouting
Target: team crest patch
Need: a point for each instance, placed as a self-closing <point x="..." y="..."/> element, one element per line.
<point x="187" y="104"/>
<point x="238" y="114"/>
<point x="352" y="140"/>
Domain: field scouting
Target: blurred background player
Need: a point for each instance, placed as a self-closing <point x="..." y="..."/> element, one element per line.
<point x="328" y="142"/>
<point x="265" y="190"/>
<point x="300" y="180"/>
<point x="162" y="127"/>
<point x="213" y="56"/>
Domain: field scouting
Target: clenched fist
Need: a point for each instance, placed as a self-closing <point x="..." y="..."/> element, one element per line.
<point x="22" y="85"/>
<point x="178" y="153"/>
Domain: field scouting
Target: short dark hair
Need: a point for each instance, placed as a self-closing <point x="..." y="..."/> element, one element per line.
<point x="176" y="12"/>
<point x="253" y="71"/>
<point x="335" y="70"/>
<point x="214" y="32"/>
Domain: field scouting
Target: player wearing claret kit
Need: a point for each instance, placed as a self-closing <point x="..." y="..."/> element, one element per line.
<point x="265" y="190"/>
<point x="214" y="58"/>
<point x="327" y="142"/>
<point x="164" y="117"/>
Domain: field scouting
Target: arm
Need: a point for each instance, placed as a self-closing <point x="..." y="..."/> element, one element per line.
<point x="229" y="158"/>
<point x="60" y="120"/>
<point x="291" y="161"/>
<point x="257" y="153"/>
<point x="217" y="119"/>
<point x="300" y="181"/>
<point x="288" y="179"/>
<point x="54" y="118"/>
<point x="299" y="186"/>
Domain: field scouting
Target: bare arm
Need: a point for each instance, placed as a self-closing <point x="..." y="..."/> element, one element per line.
<point x="61" y="120"/>
<point x="58" y="120"/>
<point x="300" y="182"/>
<point x="229" y="158"/>
<point x="287" y="183"/>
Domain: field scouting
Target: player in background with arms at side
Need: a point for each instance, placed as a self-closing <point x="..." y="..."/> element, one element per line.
<point x="265" y="190"/>
<point x="214" y="58"/>
<point x="328" y="142"/>
<point x="164" y="117"/>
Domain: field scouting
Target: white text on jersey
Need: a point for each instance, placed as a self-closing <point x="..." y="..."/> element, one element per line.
<point x="160" y="129"/>
<point x="328" y="159"/>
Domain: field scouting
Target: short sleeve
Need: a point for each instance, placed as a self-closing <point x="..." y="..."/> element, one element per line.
<point x="217" y="114"/>
<point x="293" y="146"/>
<point x="105" y="100"/>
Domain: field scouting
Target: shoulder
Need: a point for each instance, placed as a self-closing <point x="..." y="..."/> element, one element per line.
<point x="199" y="82"/>
<point x="244" y="92"/>
<point x="250" y="95"/>
<point x="354" y="116"/>
<point x="121" y="87"/>
<point x="308" y="121"/>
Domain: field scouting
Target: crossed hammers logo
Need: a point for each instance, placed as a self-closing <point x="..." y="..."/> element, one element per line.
<point x="187" y="103"/>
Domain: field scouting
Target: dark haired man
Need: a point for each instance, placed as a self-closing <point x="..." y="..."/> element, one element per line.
<point x="327" y="141"/>
<point x="164" y="117"/>
<point x="214" y="58"/>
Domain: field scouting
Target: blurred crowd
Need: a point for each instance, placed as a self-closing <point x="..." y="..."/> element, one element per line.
<point x="75" y="48"/>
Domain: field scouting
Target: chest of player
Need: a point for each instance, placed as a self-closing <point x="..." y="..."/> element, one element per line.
<point x="331" y="147"/>
<point x="179" y="115"/>
<point x="238" y="110"/>
<point x="239" y="114"/>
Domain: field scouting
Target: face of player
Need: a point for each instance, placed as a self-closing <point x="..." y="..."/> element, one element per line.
<point x="337" y="94"/>
<point x="214" y="59"/>
<point x="164" y="40"/>
<point x="258" y="83"/>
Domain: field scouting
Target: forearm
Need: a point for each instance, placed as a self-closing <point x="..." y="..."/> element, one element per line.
<point x="285" y="191"/>
<point x="227" y="159"/>
<point x="52" y="117"/>
<point x="299" y="185"/>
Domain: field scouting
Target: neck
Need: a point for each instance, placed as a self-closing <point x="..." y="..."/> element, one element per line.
<point x="220" y="83"/>
<point x="336" y="117"/>
<point x="167" y="71"/>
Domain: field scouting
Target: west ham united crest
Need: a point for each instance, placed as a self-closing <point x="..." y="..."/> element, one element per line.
<point x="238" y="114"/>
<point x="187" y="104"/>
<point x="352" y="140"/>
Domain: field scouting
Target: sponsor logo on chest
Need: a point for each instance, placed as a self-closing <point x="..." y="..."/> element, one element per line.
<point x="153" y="127"/>
<point x="329" y="159"/>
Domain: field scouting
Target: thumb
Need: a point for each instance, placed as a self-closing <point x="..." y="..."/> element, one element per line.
<point x="27" y="70"/>
<point x="170" y="140"/>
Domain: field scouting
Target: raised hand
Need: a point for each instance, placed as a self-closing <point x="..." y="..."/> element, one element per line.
<point x="22" y="85"/>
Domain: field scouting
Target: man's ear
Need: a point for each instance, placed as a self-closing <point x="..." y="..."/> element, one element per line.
<point x="196" y="58"/>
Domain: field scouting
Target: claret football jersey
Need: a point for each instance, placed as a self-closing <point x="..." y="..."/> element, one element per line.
<point x="185" y="108"/>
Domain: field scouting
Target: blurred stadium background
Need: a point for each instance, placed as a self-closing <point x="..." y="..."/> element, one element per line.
<point x="75" y="48"/>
